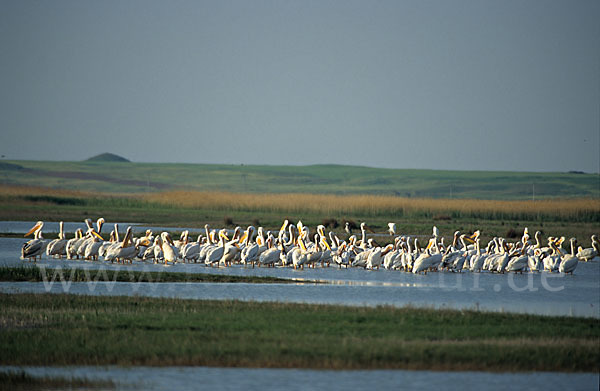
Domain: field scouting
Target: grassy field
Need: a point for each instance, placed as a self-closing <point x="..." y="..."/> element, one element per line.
<point x="114" y="177"/>
<point x="85" y="330"/>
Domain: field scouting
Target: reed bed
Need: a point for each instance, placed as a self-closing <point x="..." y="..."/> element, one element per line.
<point x="374" y="205"/>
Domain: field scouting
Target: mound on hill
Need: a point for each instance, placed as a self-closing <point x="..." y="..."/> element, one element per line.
<point x="107" y="157"/>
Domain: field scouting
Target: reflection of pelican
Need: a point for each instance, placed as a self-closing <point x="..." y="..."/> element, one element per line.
<point x="36" y="246"/>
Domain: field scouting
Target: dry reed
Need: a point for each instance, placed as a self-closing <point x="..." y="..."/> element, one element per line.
<point x="373" y="205"/>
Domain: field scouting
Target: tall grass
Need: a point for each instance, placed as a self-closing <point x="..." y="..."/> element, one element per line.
<point x="583" y="210"/>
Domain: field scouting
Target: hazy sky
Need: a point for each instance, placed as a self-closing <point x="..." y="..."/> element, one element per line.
<point x="486" y="85"/>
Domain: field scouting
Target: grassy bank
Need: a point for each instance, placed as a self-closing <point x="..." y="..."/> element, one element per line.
<point x="36" y="274"/>
<point x="82" y="330"/>
<point x="19" y="380"/>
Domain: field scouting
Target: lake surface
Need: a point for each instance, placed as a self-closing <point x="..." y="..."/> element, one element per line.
<point x="191" y="378"/>
<point x="536" y="293"/>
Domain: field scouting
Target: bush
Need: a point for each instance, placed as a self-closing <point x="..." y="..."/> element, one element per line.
<point x="512" y="234"/>
<point x="228" y="221"/>
<point x="330" y="222"/>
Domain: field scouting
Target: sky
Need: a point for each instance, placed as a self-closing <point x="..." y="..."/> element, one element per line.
<point x="432" y="84"/>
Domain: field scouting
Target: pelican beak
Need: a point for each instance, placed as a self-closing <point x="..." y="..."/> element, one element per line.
<point x="243" y="238"/>
<point x="96" y="234"/>
<point x="302" y="245"/>
<point x="470" y="239"/>
<point x="284" y="225"/>
<point x="145" y="242"/>
<point x="35" y="228"/>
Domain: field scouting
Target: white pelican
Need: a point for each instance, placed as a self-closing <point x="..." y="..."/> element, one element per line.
<point x="586" y="254"/>
<point x="569" y="262"/>
<point x="123" y="251"/>
<point x="168" y="247"/>
<point x="552" y="261"/>
<point x="107" y="243"/>
<point x="231" y="249"/>
<point x="477" y="260"/>
<point x="392" y="229"/>
<point x="518" y="263"/>
<point x="428" y="259"/>
<point x="214" y="255"/>
<point x="192" y="250"/>
<point x="376" y="256"/>
<point x="89" y="237"/>
<point x="250" y="252"/>
<point x="36" y="246"/>
<point x="92" y="250"/>
<point x="271" y="255"/>
<point x="58" y="247"/>
<point x="348" y="229"/>
<point x="534" y="261"/>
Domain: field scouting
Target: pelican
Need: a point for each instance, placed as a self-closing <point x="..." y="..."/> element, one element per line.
<point x="428" y="259"/>
<point x="270" y="255"/>
<point x="72" y="244"/>
<point x="552" y="261"/>
<point x="125" y="251"/>
<point x="250" y="251"/>
<point x="477" y="260"/>
<point x="36" y="246"/>
<point x="569" y="262"/>
<point x="89" y="237"/>
<point x="231" y="248"/>
<point x="376" y="256"/>
<point x="58" y="247"/>
<point x="214" y="255"/>
<point x="519" y="263"/>
<point x="93" y="249"/>
<point x="392" y="229"/>
<point x="192" y="251"/>
<point x="347" y="228"/>
<point x="586" y="254"/>
<point x="168" y="247"/>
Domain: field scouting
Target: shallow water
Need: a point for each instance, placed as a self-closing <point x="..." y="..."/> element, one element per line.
<point x="536" y="293"/>
<point x="187" y="378"/>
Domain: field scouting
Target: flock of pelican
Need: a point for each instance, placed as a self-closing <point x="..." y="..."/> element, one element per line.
<point x="294" y="246"/>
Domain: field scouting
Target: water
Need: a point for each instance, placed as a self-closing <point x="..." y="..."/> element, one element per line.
<point x="188" y="378"/>
<point x="535" y="293"/>
<point x="540" y="293"/>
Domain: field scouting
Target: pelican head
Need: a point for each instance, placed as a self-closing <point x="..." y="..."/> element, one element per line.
<point x="37" y="227"/>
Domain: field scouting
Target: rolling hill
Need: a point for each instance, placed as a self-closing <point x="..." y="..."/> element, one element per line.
<point x="116" y="177"/>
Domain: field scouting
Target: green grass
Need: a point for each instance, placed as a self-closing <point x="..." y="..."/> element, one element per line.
<point x="19" y="380"/>
<point x="35" y="274"/>
<point x="114" y="177"/>
<point x="84" y="330"/>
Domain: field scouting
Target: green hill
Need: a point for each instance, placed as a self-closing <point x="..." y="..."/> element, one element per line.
<point x="115" y="177"/>
<point x="107" y="157"/>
